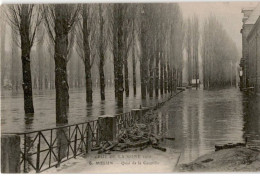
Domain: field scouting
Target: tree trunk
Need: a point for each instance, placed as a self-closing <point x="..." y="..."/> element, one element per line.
<point x="203" y="65"/>
<point x="51" y="68"/>
<point x="126" y="77"/>
<point x="3" y="61"/>
<point x="87" y="56"/>
<point x="165" y="77"/>
<point x="175" y="79"/>
<point x="14" y="62"/>
<point x="102" y="56"/>
<point x="46" y="82"/>
<point x="151" y="80"/>
<point x="88" y="83"/>
<point x="169" y="78"/>
<point x="120" y="57"/>
<point x="116" y="75"/>
<point x="197" y="68"/>
<point x="41" y="65"/>
<point x="189" y="66"/>
<point x="61" y="83"/>
<point x="120" y="98"/>
<point x="60" y="57"/>
<point x="178" y="82"/>
<point x="115" y="70"/>
<point x="115" y="47"/>
<point x="52" y="76"/>
<point x="134" y="71"/>
<point x="27" y="80"/>
<point x="26" y="49"/>
<point x="156" y="84"/>
<point x="78" y="74"/>
<point x="143" y="62"/>
<point x="181" y="77"/>
<point x="133" y="60"/>
<point x="161" y="77"/>
<point x="102" y="80"/>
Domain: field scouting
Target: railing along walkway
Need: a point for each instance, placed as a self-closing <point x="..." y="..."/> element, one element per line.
<point x="47" y="148"/>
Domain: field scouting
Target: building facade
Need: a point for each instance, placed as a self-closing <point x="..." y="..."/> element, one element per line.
<point x="249" y="63"/>
<point x="254" y="57"/>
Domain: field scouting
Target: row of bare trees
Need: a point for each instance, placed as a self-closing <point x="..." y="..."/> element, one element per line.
<point x="161" y="37"/>
<point x="192" y="43"/>
<point x="100" y="34"/>
<point x="219" y="55"/>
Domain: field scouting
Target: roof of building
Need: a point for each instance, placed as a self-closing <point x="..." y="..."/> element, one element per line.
<point x="247" y="8"/>
<point x="254" y="15"/>
<point x="254" y="28"/>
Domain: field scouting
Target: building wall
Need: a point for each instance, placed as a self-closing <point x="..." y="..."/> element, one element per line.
<point x="245" y="50"/>
<point x="245" y="32"/>
<point x="254" y="58"/>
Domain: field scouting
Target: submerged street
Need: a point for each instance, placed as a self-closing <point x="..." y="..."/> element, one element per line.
<point x="198" y="119"/>
<point x="179" y="81"/>
<point x="13" y="114"/>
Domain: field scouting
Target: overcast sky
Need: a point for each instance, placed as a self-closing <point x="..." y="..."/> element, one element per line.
<point x="228" y="13"/>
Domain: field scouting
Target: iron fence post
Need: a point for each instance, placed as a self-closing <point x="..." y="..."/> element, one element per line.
<point x="25" y="155"/>
<point x="82" y="138"/>
<point x="68" y="151"/>
<point x="86" y="145"/>
<point x="50" y="149"/>
<point x="75" y="144"/>
<point x="88" y="139"/>
<point x="38" y="154"/>
<point x="97" y="133"/>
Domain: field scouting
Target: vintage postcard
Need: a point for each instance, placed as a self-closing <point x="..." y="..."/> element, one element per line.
<point x="155" y="87"/>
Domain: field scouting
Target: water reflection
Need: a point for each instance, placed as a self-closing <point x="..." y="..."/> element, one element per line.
<point x="89" y="109"/>
<point x="102" y="107"/>
<point x="29" y="122"/>
<point x="12" y="113"/>
<point x="199" y="119"/>
<point x="251" y="110"/>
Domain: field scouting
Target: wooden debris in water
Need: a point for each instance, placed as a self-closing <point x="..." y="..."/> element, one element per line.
<point x="138" y="137"/>
<point x="229" y="146"/>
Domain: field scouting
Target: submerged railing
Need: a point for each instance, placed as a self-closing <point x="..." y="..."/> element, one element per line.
<point x="48" y="148"/>
<point x="43" y="149"/>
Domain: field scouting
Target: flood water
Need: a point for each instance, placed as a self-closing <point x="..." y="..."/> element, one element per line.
<point x="198" y="119"/>
<point x="13" y="118"/>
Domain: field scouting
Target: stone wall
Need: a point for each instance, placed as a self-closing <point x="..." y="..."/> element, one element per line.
<point x="10" y="154"/>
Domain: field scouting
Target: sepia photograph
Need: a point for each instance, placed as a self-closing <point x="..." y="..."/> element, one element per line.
<point x="107" y="87"/>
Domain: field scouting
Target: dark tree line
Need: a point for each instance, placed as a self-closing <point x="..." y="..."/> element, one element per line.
<point x="219" y="55"/>
<point x="72" y="38"/>
<point x="161" y="38"/>
<point x="192" y="46"/>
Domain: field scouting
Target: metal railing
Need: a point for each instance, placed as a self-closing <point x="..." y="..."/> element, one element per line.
<point x="44" y="149"/>
<point x="47" y="148"/>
